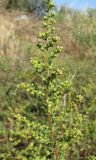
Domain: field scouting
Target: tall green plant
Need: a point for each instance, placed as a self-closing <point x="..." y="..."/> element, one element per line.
<point x="53" y="131"/>
<point x="47" y="87"/>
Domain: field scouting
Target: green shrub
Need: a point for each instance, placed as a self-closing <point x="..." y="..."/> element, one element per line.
<point x="48" y="89"/>
<point x="48" y="118"/>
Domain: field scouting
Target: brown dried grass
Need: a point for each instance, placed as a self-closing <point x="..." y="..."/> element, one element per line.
<point x="7" y="36"/>
<point x="15" y="35"/>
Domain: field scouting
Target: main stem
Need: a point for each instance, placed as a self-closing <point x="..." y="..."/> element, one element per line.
<point x="52" y="136"/>
<point x="50" y="121"/>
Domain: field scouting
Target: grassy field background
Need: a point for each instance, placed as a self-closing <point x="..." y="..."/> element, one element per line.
<point x="18" y="39"/>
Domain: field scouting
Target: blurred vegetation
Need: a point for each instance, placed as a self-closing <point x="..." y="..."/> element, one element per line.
<point x="34" y="6"/>
<point x="19" y="111"/>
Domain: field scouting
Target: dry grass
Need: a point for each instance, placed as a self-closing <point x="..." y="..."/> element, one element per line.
<point x="7" y="36"/>
<point x="15" y="36"/>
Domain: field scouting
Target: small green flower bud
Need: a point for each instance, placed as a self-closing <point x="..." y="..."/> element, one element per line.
<point x="79" y="98"/>
<point x="39" y="45"/>
<point x="59" y="71"/>
<point x="52" y="20"/>
<point x="45" y="24"/>
<point x="45" y="17"/>
<point x="52" y="29"/>
<point x="58" y="49"/>
<point x="55" y="39"/>
<point x="52" y="14"/>
<point x="43" y="36"/>
<point x="51" y="5"/>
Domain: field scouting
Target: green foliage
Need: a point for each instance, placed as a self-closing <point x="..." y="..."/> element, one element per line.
<point x="48" y="89"/>
<point x="89" y="40"/>
<point x="92" y="158"/>
<point x="52" y="115"/>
